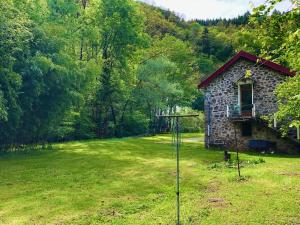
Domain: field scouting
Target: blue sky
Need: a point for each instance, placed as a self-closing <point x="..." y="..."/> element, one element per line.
<point x="203" y="9"/>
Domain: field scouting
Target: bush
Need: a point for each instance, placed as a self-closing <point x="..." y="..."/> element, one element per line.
<point x="135" y="123"/>
<point x="192" y="124"/>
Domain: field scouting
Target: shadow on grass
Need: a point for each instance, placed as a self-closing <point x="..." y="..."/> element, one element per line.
<point x="113" y="176"/>
<point x="269" y="155"/>
<point x="256" y="153"/>
<point x="80" y="175"/>
<point x="101" y="162"/>
<point x="125" y="149"/>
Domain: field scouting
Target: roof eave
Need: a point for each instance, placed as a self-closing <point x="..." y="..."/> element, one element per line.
<point x="250" y="57"/>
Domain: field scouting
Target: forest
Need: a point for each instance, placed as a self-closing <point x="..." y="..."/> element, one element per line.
<point x="81" y="69"/>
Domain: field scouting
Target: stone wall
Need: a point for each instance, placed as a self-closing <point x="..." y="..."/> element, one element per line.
<point x="223" y="91"/>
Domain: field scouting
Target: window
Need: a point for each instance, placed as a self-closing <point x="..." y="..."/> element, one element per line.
<point x="246" y="129"/>
<point x="246" y="97"/>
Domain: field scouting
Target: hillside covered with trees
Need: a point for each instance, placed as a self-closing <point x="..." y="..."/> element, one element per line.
<point x="106" y="68"/>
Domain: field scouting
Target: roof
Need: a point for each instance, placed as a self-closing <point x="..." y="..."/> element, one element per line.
<point x="250" y="57"/>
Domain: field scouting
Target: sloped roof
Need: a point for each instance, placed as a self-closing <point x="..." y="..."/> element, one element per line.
<point x="250" y="57"/>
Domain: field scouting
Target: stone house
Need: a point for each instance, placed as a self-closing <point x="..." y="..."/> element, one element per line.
<point x="237" y="95"/>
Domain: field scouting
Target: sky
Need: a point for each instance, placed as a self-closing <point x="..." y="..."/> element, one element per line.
<point x="209" y="9"/>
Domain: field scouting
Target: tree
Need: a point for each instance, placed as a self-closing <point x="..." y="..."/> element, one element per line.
<point x="278" y="33"/>
<point x="121" y="35"/>
<point x="40" y="82"/>
<point x="166" y="79"/>
<point x="15" y="35"/>
<point x="157" y="91"/>
<point x="206" y="42"/>
<point x="288" y="95"/>
<point x="85" y="68"/>
<point x="280" y="38"/>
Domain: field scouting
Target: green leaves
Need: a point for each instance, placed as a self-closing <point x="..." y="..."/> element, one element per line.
<point x="79" y="69"/>
<point x="14" y="34"/>
<point x="156" y="77"/>
<point x="3" y="108"/>
<point x="288" y="95"/>
<point x="279" y="36"/>
<point x="41" y="78"/>
<point x="248" y="73"/>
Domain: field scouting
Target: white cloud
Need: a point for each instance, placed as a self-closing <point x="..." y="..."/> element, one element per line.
<point x="208" y="9"/>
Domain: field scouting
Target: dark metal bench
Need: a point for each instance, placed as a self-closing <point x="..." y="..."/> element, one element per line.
<point x="262" y="145"/>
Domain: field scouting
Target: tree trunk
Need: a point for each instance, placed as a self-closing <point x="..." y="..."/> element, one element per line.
<point x="121" y="121"/>
<point x="81" y="50"/>
<point x="113" y="113"/>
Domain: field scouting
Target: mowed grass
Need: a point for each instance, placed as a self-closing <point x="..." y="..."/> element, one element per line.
<point x="132" y="181"/>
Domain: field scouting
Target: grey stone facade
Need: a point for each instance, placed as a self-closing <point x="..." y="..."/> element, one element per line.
<point x="223" y="91"/>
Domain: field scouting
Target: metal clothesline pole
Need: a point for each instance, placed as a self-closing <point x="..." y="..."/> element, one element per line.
<point x="237" y="152"/>
<point x="177" y="129"/>
<point x="177" y="171"/>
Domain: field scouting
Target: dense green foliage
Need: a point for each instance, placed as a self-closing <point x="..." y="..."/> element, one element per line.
<point x="240" y="20"/>
<point x="279" y="38"/>
<point x="84" y="69"/>
<point x="106" y="68"/>
<point x="40" y="81"/>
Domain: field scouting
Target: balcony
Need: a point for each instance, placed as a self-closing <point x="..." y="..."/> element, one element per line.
<point x="241" y="113"/>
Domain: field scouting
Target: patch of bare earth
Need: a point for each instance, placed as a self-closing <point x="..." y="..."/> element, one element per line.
<point x="213" y="186"/>
<point x="173" y="174"/>
<point x="196" y="139"/>
<point x="290" y="174"/>
<point x="217" y="202"/>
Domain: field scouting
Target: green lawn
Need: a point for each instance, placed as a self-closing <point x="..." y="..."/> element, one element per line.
<point x="131" y="181"/>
